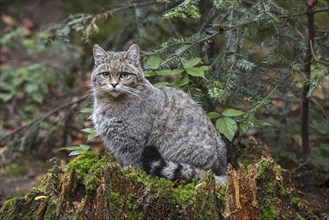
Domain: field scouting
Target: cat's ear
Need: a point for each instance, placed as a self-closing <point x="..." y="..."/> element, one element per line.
<point x="99" y="54"/>
<point x="133" y="54"/>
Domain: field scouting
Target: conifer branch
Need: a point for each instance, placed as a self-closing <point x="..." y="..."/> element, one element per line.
<point x="314" y="56"/>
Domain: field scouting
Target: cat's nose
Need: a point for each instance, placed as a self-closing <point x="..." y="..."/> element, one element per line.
<point x="114" y="84"/>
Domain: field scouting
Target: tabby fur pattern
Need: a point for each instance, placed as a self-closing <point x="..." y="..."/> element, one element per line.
<point x="159" y="129"/>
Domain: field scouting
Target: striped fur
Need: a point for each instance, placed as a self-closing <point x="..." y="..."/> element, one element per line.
<point x="160" y="129"/>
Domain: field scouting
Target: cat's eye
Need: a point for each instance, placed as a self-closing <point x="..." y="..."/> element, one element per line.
<point x="125" y="75"/>
<point x="106" y="74"/>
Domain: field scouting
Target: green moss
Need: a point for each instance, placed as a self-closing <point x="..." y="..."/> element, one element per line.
<point x="19" y="208"/>
<point x="7" y="209"/>
<point x="139" y="176"/>
<point x="87" y="167"/>
<point x="116" y="201"/>
<point x="50" y="212"/>
<point x="110" y="191"/>
<point x="295" y="201"/>
<point x="250" y="155"/>
<point x="184" y="193"/>
<point x="181" y="194"/>
<point x="165" y="196"/>
<point x="263" y="166"/>
<point x="205" y="203"/>
<point x="270" y="188"/>
<point x="268" y="208"/>
<point x="132" y="208"/>
<point x="221" y="195"/>
<point x="298" y="217"/>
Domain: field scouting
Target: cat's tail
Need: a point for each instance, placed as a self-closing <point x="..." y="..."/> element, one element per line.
<point x="154" y="164"/>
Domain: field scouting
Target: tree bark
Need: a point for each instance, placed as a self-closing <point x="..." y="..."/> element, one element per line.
<point x="306" y="87"/>
<point x="95" y="187"/>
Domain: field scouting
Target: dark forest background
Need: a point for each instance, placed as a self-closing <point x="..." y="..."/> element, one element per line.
<point x="258" y="68"/>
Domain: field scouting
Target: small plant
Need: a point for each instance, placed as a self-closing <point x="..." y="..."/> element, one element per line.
<point x="190" y="68"/>
<point x="76" y="150"/>
<point x="30" y="82"/>
<point x="91" y="133"/>
<point x="227" y="122"/>
<point x="82" y="148"/>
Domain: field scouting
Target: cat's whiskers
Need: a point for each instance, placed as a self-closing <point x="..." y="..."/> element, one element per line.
<point x="94" y="91"/>
<point x="135" y="93"/>
<point x="89" y="93"/>
<point x="127" y="90"/>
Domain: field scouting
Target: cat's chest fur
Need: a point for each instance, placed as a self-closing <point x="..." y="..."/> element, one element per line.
<point x="122" y="122"/>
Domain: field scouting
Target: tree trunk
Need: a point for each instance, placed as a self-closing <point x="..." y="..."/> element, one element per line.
<point x="306" y="87"/>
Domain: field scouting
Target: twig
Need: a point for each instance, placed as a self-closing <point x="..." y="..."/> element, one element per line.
<point x="315" y="58"/>
<point x="280" y="16"/>
<point x="320" y="10"/>
<point x="41" y="118"/>
<point x="109" y="13"/>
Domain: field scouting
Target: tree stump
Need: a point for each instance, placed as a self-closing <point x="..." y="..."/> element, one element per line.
<point x="95" y="187"/>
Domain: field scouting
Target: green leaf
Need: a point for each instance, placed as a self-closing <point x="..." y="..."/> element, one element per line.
<point x="89" y="130"/>
<point x="84" y="147"/>
<point x="244" y="127"/>
<point x="191" y="63"/>
<point x="195" y="71"/>
<point x="161" y="84"/>
<point x="227" y="126"/>
<point x="31" y="88"/>
<point x="70" y="148"/>
<point x="6" y="97"/>
<point x="38" y="97"/>
<point x="17" y="81"/>
<point x="177" y="71"/>
<point x="262" y="123"/>
<point x="153" y="63"/>
<point x="30" y="108"/>
<point x="169" y="72"/>
<point x="181" y="82"/>
<point x="76" y="152"/>
<point x="204" y="68"/>
<point x="213" y="115"/>
<point x="86" y="110"/>
<point x="148" y="73"/>
<point x="163" y="73"/>
<point x="230" y="112"/>
<point x="92" y="135"/>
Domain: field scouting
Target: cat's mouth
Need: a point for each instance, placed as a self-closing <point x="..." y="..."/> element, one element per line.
<point x="114" y="91"/>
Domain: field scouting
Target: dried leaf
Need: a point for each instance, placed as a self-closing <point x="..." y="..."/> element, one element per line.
<point x="40" y="197"/>
<point x="8" y="20"/>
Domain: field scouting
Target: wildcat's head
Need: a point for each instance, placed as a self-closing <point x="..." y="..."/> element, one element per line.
<point x="116" y="73"/>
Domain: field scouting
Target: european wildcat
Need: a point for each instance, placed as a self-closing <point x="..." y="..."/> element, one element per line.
<point x="159" y="129"/>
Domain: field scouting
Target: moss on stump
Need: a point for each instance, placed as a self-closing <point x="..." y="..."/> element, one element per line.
<point x="95" y="187"/>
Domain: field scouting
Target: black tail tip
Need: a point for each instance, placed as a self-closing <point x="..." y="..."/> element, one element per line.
<point x="149" y="155"/>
